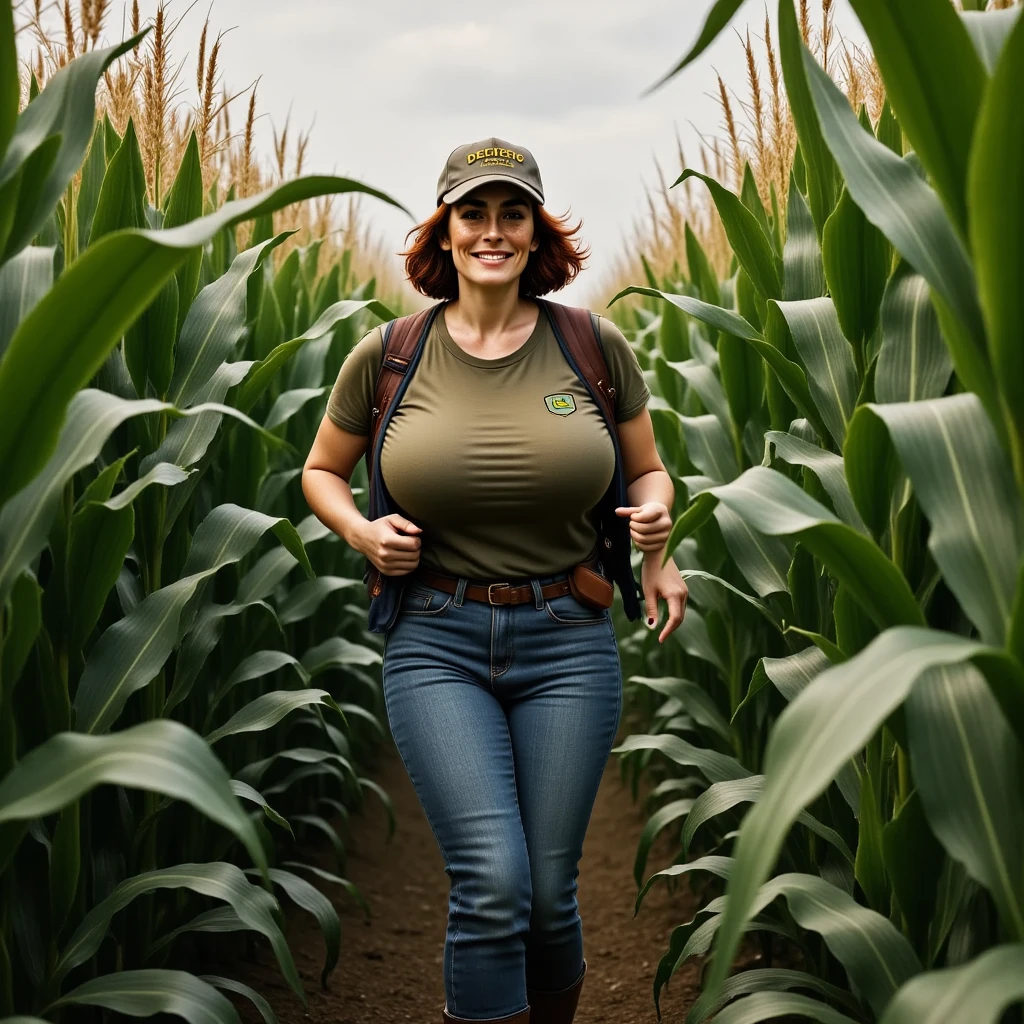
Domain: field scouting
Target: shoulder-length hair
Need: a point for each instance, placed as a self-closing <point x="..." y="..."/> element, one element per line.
<point x="555" y="262"/>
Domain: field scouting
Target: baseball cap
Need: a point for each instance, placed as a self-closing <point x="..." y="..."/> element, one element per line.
<point x="488" y="160"/>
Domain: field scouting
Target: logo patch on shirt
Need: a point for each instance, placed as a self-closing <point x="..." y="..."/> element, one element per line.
<point x="560" y="405"/>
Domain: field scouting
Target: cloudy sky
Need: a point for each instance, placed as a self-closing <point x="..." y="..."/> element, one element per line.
<point x="392" y="86"/>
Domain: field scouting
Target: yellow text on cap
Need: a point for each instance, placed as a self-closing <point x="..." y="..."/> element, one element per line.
<point x="509" y="154"/>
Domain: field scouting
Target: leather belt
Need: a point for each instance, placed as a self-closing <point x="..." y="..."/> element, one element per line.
<point x="491" y="593"/>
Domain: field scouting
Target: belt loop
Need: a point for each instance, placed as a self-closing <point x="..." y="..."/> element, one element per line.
<point x="460" y="591"/>
<point x="538" y="597"/>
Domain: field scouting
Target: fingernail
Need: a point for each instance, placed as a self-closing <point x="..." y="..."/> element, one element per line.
<point x="650" y="622"/>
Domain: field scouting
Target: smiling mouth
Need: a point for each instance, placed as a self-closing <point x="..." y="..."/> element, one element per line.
<point x="489" y="257"/>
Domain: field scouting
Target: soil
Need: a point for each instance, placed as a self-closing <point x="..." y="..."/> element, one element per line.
<point x="390" y="967"/>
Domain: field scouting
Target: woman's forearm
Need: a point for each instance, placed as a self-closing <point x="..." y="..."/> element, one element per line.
<point x="329" y="496"/>
<point x="653" y="486"/>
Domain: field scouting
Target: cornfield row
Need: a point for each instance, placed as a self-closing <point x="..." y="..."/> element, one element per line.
<point x="183" y="699"/>
<point x="836" y="739"/>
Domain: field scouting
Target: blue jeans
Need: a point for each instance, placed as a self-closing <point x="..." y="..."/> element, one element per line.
<point x="505" y="717"/>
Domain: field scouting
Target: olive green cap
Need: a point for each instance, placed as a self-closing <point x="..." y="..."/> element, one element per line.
<point x="488" y="160"/>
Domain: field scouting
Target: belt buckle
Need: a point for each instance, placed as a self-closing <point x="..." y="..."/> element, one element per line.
<point x="490" y="587"/>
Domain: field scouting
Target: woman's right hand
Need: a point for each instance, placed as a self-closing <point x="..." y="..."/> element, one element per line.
<point x="391" y="544"/>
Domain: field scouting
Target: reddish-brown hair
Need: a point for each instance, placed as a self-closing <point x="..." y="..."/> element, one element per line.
<point x="554" y="263"/>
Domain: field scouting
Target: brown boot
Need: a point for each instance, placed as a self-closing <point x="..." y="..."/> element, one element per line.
<point x="556" y="1007"/>
<point x="522" y="1017"/>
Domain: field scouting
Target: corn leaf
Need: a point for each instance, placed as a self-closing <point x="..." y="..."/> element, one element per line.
<point x="246" y="792"/>
<point x="48" y="144"/>
<point x="230" y="985"/>
<point x="822" y="178"/>
<point x="803" y="276"/>
<point x="718" y="17"/>
<point x="964" y="484"/>
<point x="185" y="203"/>
<point x="133" y="650"/>
<point x="693" y="697"/>
<point x="121" y="202"/>
<point x="53" y="354"/>
<point x="813" y="327"/>
<point x="856" y="259"/>
<point x="769" y="979"/>
<point x="270" y="708"/>
<point x="789" y="373"/>
<point x="718" y="866"/>
<point x="714" y="766"/>
<point x="337" y="652"/>
<point x="772" y="1005"/>
<point x="266" y="369"/>
<point x="916" y="46"/>
<point x="288" y="403"/>
<point x="826" y="466"/>
<point x="989" y="32"/>
<point x="215" y="324"/>
<point x="655" y="824"/>
<point x="723" y="796"/>
<point x="913" y="362"/>
<point x="813" y="738"/>
<point x="966" y="762"/>
<point x="304" y="600"/>
<point x="775" y="506"/>
<point x="25" y="521"/>
<point x="979" y="991"/>
<point x="253" y="905"/>
<point x="24" y="280"/>
<point x="763" y="561"/>
<point x="895" y="199"/>
<point x="162" y="756"/>
<point x="997" y="234"/>
<point x="789" y="675"/>
<point x="708" y="447"/>
<point x="316" y="903"/>
<point x="749" y="242"/>
<point x="202" y="637"/>
<point x="143" y="993"/>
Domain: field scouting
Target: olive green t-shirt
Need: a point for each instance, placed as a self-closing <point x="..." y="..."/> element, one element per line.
<point x="499" y="461"/>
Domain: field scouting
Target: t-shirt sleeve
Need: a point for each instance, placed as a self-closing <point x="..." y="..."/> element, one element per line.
<point x="351" y="400"/>
<point x="631" y="390"/>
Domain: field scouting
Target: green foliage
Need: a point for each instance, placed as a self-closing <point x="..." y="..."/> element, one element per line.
<point x="151" y="579"/>
<point x="855" y="617"/>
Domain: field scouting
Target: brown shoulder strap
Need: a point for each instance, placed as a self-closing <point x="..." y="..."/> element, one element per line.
<point x="580" y="330"/>
<point x="399" y="346"/>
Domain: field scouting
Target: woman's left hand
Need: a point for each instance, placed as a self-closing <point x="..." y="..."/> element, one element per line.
<point x="649" y="527"/>
<point x="658" y="581"/>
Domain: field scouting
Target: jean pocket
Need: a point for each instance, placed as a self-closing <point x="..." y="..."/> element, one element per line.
<point x="420" y="599"/>
<point x="567" y="611"/>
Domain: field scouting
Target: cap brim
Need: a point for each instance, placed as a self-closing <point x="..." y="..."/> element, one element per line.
<point x="455" y="194"/>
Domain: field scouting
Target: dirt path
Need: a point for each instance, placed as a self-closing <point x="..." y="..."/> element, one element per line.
<point x="390" y="965"/>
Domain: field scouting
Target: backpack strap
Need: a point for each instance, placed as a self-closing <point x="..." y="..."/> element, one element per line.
<point x="400" y="338"/>
<point x="581" y="331"/>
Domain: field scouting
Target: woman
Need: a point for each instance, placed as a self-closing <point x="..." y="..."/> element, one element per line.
<point x="504" y="713"/>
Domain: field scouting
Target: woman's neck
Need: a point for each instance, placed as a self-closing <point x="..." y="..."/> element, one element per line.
<point x="486" y="314"/>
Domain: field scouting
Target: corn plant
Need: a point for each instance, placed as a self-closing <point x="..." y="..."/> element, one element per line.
<point x="166" y="647"/>
<point x="842" y="717"/>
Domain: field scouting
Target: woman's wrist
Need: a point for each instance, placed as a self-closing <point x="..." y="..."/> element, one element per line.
<point x="354" y="530"/>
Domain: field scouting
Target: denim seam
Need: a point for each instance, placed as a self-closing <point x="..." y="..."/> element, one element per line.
<point x="429" y="611"/>
<point x="572" y="622"/>
<point x="455" y="937"/>
<point x="511" y="647"/>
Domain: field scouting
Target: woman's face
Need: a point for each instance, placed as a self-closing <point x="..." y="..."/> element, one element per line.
<point x="490" y="234"/>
